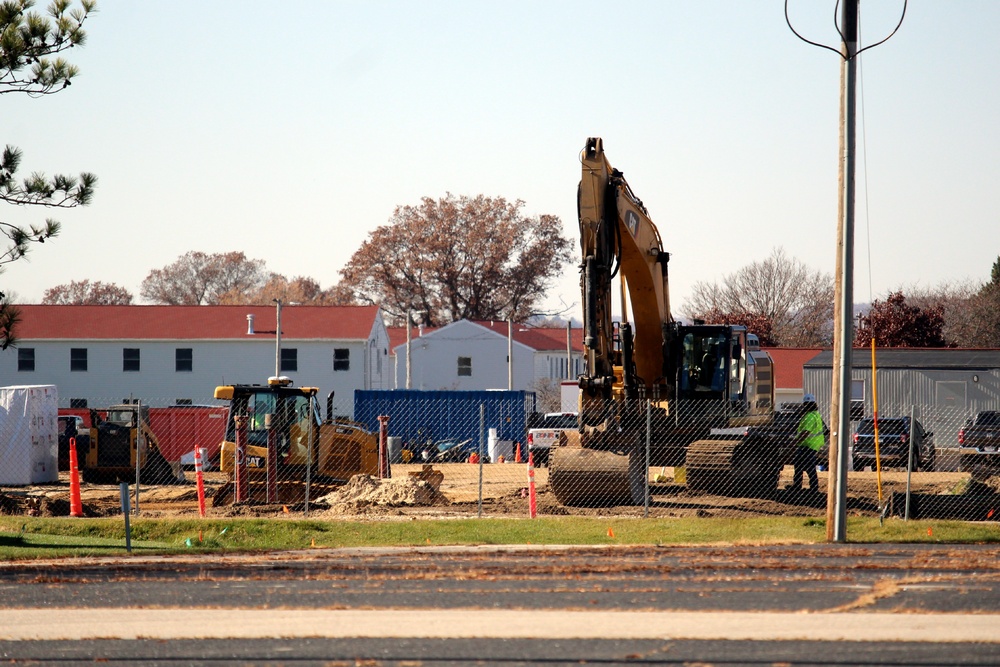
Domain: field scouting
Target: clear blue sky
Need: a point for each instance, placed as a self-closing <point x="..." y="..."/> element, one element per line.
<point x="290" y="130"/>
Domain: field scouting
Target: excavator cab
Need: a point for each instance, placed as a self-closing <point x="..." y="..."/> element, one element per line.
<point x="713" y="363"/>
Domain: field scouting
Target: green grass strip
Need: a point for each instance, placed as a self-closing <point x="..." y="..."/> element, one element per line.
<point x="64" y="537"/>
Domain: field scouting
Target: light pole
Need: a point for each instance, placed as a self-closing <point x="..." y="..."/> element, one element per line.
<point x="409" y="338"/>
<point x="277" y="339"/>
<point x="510" y="353"/>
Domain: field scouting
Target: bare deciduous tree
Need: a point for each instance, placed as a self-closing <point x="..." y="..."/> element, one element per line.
<point x="458" y="257"/>
<point x="300" y="290"/>
<point x="548" y="394"/>
<point x="971" y="309"/>
<point x="198" y="278"/>
<point x="87" y="293"/>
<point x="797" y="301"/>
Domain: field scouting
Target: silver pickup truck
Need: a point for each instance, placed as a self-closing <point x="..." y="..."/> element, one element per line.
<point x="547" y="430"/>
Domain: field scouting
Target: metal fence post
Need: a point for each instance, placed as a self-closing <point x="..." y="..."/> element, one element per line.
<point x="482" y="425"/>
<point x="909" y="466"/>
<point x="649" y="435"/>
<point x="313" y="441"/>
<point x="138" y="447"/>
<point x="240" y="490"/>
<point x="272" y="457"/>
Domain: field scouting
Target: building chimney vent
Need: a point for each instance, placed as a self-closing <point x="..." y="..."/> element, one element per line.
<point x="250" y="331"/>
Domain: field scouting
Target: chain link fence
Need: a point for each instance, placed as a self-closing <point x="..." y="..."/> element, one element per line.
<point x="638" y="457"/>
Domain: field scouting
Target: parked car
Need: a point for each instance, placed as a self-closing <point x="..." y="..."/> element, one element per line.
<point x="547" y="430"/>
<point x="894" y="444"/>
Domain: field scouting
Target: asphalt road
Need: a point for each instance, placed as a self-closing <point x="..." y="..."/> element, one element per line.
<point x="747" y="605"/>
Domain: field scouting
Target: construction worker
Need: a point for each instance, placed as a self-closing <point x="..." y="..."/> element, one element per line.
<point x="809" y="439"/>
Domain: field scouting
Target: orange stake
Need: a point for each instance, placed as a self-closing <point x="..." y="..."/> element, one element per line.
<point x="199" y="475"/>
<point x="75" y="504"/>
<point x="532" y="501"/>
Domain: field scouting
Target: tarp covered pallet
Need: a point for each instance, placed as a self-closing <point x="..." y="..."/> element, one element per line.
<point x="29" y="440"/>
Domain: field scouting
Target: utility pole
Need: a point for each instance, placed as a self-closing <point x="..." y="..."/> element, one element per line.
<point x="277" y="340"/>
<point x="843" y="306"/>
<point x="510" y="353"/>
<point x="569" y="350"/>
<point x="843" y="315"/>
<point x="409" y="347"/>
<point x="409" y="340"/>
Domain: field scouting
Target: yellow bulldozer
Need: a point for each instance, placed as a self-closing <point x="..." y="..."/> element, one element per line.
<point x="310" y="455"/>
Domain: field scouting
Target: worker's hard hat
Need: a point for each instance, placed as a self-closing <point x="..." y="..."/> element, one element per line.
<point x="809" y="398"/>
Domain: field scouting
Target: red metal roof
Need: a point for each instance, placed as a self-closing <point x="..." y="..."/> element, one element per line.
<point x="788" y="362"/>
<point x="40" y="322"/>
<point x="536" y="338"/>
<point x="397" y="335"/>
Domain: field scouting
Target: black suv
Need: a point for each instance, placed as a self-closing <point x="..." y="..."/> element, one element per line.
<point x="893" y="444"/>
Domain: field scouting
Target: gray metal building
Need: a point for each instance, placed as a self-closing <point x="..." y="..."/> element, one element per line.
<point x="942" y="387"/>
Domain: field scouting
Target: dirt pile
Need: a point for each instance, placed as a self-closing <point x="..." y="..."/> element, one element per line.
<point x="365" y="491"/>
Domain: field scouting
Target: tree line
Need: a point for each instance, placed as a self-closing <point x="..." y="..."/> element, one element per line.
<point x="787" y="305"/>
<point x="443" y="260"/>
<point x="406" y="268"/>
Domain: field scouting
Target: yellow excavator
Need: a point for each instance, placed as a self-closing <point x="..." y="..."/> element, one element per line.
<point x="285" y="420"/>
<point x="703" y="393"/>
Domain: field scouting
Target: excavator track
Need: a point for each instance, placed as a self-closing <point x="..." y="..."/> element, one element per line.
<point x="588" y="477"/>
<point x="733" y="467"/>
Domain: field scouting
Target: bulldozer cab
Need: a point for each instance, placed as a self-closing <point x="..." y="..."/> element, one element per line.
<point x="125" y="415"/>
<point x="289" y="411"/>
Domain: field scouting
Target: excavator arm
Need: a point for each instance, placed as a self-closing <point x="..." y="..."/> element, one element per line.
<point x="617" y="235"/>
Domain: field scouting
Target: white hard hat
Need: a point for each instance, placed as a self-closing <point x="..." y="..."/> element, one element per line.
<point x="809" y="398"/>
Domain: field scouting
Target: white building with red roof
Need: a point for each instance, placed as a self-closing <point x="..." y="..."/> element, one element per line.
<point x="166" y="355"/>
<point x="467" y="355"/>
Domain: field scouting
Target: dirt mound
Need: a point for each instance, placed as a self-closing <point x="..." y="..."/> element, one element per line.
<point x="364" y="491"/>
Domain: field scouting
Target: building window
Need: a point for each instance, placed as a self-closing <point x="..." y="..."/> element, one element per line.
<point x="289" y="359"/>
<point x="130" y="359"/>
<point x="26" y="359"/>
<point x="184" y="401"/>
<point x="341" y="359"/>
<point x="465" y="366"/>
<point x="78" y="403"/>
<point x="183" y="360"/>
<point x="78" y="359"/>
